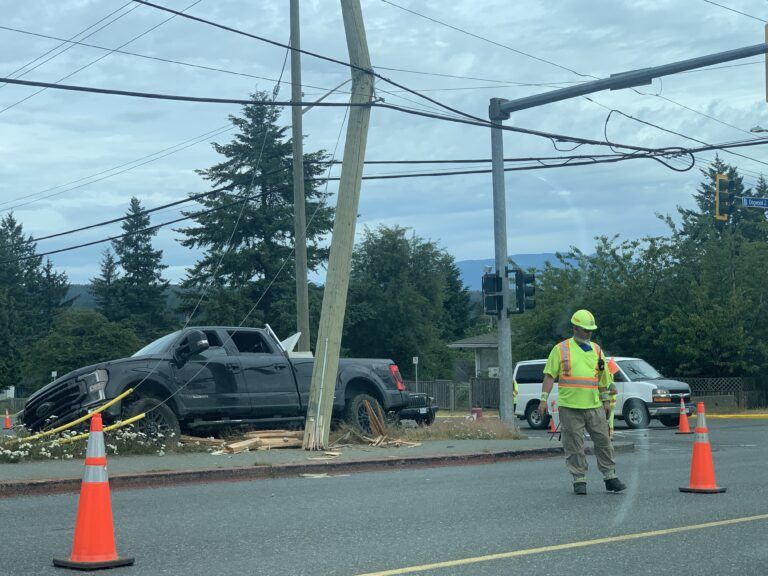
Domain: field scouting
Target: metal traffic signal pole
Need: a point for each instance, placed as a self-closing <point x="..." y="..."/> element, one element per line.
<point x="498" y="111"/>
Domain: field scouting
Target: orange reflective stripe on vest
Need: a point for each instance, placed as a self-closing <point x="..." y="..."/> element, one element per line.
<point x="565" y="358"/>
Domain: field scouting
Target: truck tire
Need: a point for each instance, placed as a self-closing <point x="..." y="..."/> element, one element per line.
<point x="636" y="414"/>
<point x="159" y="420"/>
<point x="670" y="421"/>
<point x="535" y="419"/>
<point x="357" y="416"/>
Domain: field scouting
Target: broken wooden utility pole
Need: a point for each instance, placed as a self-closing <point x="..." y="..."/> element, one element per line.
<point x="299" y="218"/>
<point x="323" y="386"/>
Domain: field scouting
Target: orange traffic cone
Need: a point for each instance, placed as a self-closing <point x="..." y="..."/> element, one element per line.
<point x="702" y="471"/>
<point x="683" y="427"/>
<point x="7" y="424"/>
<point x="552" y="428"/>
<point x="94" y="544"/>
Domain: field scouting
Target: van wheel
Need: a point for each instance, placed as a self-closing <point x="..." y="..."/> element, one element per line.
<point x="534" y="418"/>
<point x="636" y="414"/>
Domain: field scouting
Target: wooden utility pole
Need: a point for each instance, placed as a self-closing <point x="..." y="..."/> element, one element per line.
<point x="299" y="218"/>
<point x="337" y="280"/>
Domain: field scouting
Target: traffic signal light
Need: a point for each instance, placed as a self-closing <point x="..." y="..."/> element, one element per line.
<point x="723" y="197"/>
<point x="525" y="290"/>
<point x="493" y="299"/>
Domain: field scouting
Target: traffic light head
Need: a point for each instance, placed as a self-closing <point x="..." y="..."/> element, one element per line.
<point x="492" y="296"/>
<point x="723" y="197"/>
<point x="525" y="290"/>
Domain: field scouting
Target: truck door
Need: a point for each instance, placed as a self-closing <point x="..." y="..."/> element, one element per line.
<point x="211" y="382"/>
<point x="266" y="374"/>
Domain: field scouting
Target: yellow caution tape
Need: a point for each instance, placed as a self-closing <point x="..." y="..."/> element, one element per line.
<point x="79" y="420"/>
<point x="107" y="429"/>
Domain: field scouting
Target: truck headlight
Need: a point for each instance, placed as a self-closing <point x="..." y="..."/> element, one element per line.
<point x="661" y="395"/>
<point x="95" y="383"/>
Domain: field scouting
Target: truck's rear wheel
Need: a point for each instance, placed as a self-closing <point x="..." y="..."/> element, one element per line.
<point x="356" y="414"/>
<point x="159" y="423"/>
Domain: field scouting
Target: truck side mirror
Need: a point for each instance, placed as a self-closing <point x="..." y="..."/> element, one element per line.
<point x="193" y="343"/>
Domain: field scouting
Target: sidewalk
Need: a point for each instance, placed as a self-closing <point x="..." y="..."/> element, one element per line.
<point x="54" y="476"/>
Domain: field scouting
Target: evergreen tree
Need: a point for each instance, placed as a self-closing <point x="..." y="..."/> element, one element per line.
<point x="141" y="291"/>
<point x="106" y="288"/>
<point x="247" y="236"/>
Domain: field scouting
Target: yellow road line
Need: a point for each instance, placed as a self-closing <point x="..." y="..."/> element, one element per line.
<point x="568" y="546"/>
<point x="742" y="416"/>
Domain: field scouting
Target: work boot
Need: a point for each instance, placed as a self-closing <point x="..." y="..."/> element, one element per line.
<point x="614" y="485"/>
<point x="580" y="488"/>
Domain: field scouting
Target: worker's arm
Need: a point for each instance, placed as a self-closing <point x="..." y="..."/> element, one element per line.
<point x="546" y="388"/>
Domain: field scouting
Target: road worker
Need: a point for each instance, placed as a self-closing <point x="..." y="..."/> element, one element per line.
<point x="584" y="401"/>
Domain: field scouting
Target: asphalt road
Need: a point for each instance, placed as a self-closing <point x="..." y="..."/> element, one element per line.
<point x="522" y="511"/>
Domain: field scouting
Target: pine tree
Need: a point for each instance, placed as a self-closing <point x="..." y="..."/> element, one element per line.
<point x="247" y="238"/>
<point x="106" y="288"/>
<point x="141" y="291"/>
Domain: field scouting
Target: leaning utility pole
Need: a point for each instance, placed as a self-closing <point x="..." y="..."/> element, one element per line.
<point x="323" y="387"/>
<point x="499" y="110"/>
<point x="299" y="217"/>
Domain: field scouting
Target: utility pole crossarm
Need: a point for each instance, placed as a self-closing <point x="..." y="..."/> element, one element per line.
<point x="623" y="80"/>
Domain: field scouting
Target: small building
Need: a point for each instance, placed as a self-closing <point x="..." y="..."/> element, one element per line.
<point x="486" y="349"/>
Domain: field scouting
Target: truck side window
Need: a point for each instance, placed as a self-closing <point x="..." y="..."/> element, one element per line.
<point x="250" y="343"/>
<point x="215" y="347"/>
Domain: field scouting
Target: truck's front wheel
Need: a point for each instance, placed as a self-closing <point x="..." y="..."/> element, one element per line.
<point x="356" y="414"/>
<point x="159" y="423"/>
<point x="636" y="414"/>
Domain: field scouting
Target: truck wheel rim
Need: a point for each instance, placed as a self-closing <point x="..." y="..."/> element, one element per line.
<point x="155" y="424"/>
<point x="362" y="419"/>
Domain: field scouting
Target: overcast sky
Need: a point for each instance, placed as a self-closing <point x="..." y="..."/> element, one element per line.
<point x="58" y="137"/>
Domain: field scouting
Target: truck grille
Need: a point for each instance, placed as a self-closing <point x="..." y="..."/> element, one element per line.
<point x="60" y="400"/>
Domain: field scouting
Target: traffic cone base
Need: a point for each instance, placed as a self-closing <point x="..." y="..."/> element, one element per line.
<point x="66" y="563"/>
<point x="94" y="543"/>
<point x="7" y="422"/>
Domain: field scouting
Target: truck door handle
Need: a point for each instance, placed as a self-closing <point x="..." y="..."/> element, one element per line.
<point x="235" y="367"/>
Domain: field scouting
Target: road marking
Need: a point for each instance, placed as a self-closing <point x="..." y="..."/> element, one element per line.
<point x="739" y="416"/>
<point x="568" y="546"/>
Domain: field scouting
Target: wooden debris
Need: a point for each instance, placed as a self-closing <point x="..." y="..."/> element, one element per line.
<point x="242" y="445"/>
<point x="275" y="434"/>
<point x="202" y="441"/>
<point x="376" y="421"/>
<point x="271" y="443"/>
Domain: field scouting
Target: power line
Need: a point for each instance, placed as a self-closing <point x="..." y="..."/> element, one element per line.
<point x="156" y="58"/>
<point x="734" y="10"/>
<point x="471" y="121"/>
<point x="70" y="39"/>
<point x="484" y="39"/>
<point x="99" y="59"/>
<point x="131" y="165"/>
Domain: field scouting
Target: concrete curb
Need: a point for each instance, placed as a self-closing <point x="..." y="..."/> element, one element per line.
<point x="262" y="472"/>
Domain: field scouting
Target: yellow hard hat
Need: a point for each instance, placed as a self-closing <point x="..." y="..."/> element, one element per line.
<point x="584" y="319"/>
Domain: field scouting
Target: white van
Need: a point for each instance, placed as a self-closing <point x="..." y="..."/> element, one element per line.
<point x="643" y="394"/>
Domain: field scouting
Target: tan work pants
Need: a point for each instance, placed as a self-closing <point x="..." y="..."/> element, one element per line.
<point x="573" y="422"/>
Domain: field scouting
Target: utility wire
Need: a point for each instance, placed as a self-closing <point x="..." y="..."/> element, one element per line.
<point x="734" y="10"/>
<point x="100" y="58"/>
<point x="70" y="40"/>
<point x="131" y="165"/>
<point x="156" y="58"/>
<point x="469" y="121"/>
<point x="484" y="39"/>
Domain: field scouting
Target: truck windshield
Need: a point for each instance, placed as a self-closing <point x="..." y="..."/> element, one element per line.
<point x="159" y="346"/>
<point x="639" y="370"/>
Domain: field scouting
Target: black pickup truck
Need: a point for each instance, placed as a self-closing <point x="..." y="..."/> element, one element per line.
<point x="212" y="376"/>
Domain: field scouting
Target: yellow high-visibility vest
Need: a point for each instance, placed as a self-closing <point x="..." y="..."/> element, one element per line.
<point x="580" y="383"/>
